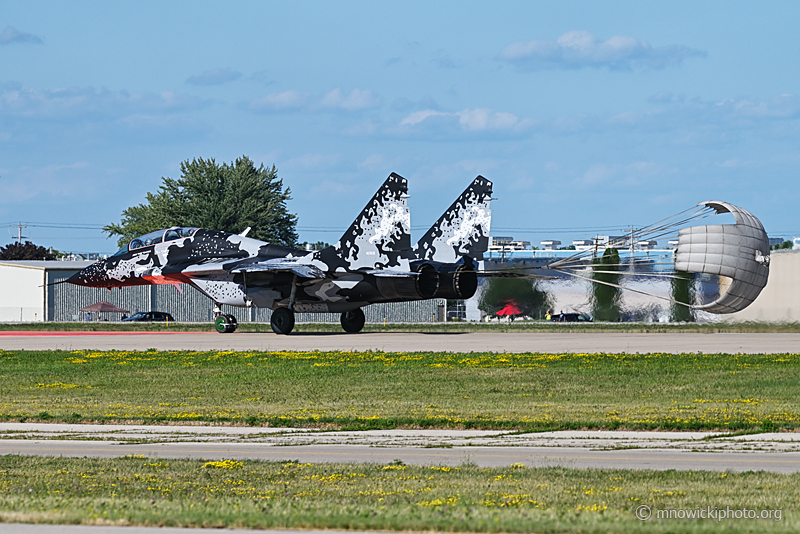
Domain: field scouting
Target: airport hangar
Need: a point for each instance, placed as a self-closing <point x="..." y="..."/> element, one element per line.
<point x="25" y="296"/>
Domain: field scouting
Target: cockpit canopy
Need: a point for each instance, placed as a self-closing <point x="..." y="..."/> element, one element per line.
<point x="159" y="236"/>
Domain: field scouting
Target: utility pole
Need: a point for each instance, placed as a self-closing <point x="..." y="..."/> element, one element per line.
<point x="19" y="228"/>
<point x="631" y="259"/>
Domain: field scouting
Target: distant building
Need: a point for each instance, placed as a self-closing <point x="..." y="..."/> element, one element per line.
<point x="583" y="244"/>
<point x="648" y="244"/>
<point x="616" y="241"/>
<point x="499" y="244"/>
<point x="551" y="244"/>
<point x="776" y="241"/>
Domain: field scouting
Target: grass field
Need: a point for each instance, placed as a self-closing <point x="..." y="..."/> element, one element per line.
<point x="368" y="390"/>
<point x="519" y="326"/>
<point x="252" y="494"/>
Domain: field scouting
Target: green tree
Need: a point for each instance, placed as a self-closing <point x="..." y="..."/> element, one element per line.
<point x="26" y="251"/>
<point x="606" y="299"/>
<point x="227" y="197"/>
<point x="682" y="291"/>
<point x="525" y="294"/>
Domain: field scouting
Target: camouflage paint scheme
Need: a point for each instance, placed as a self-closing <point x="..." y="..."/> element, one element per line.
<point x="462" y="230"/>
<point x="372" y="262"/>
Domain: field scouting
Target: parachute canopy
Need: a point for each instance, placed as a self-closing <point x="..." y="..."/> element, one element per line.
<point x="738" y="251"/>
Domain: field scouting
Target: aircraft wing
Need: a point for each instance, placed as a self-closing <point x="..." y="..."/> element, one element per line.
<point x="272" y="265"/>
<point x="281" y="265"/>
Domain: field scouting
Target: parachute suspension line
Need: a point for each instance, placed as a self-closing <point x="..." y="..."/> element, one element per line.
<point x="651" y="275"/>
<point x="628" y="289"/>
<point x="638" y="263"/>
<point x="655" y="230"/>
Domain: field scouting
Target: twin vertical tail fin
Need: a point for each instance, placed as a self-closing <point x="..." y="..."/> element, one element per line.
<point x="380" y="237"/>
<point x="463" y="230"/>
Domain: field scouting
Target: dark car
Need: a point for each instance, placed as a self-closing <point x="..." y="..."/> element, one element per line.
<point x="571" y="318"/>
<point x="150" y="316"/>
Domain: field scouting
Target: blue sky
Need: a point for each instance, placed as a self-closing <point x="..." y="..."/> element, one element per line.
<point x="585" y="115"/>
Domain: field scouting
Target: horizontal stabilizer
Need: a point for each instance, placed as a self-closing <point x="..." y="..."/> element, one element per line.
<point x="390" y="273"/>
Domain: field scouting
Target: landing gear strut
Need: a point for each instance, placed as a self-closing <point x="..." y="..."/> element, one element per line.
<point x="226" y="324"/>
<point x="282" y="321"/>
<point x="353" y="321"/>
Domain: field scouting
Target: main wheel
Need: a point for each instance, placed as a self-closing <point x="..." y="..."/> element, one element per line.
<point x="353" y="321"/>
<point x="233" y="324"/>
<point x="282" y="321"/>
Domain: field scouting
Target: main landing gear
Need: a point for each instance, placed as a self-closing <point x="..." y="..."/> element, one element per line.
<point x="282" y="321"/>
<point x="353" y="320"/>
<point x="226" y="324"/>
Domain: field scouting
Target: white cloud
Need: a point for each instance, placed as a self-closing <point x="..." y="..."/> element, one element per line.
<point x="293" y="100"/>
<point x="598" y="173"/>
<point x="311" y="162"/>
<point x="12" y="35"/>
<point x="581" y="49"/>
<point x="55" y="180"/>
<point x="355" y="100"/>
<point x="471" y="120"/>
<point x="485" y="119"/>
<point x="214" y="77"/>
<point x="419" y="116"/>
<point x="373" y="163"/>
<point x="287" y="100"/>
<point x="88" y="103"/>
<point x="731" y="163"/>
<point x="637" y="173"/>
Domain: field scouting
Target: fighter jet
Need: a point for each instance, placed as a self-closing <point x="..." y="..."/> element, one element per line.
<point x="372" y="262"/>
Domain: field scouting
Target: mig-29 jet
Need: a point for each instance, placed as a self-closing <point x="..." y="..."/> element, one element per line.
<point x="372" y="262"/>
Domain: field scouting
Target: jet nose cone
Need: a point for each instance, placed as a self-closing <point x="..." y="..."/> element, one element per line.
<point x="91" y="276"/>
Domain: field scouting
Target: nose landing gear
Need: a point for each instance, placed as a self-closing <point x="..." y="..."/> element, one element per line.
<point x="226" y="324"/>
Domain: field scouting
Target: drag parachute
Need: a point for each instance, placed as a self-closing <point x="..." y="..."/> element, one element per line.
<point x="738" y="251"/>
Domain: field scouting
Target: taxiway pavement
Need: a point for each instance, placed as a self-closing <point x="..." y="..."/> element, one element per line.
<point x="398" y="342"/>
<point x="775" y="452"/>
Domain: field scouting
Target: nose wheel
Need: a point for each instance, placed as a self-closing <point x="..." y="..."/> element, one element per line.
<point x="353" y="321"/>
<point x="225" y="324"/>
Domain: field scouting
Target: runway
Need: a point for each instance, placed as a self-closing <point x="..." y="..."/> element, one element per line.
<point x="776" y="452"/>
<point x="413" y="342"/>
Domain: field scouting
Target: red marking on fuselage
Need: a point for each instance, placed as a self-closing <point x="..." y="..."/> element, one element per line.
<point x="167" y="279"/>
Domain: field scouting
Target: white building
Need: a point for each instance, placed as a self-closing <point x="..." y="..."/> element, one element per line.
<point x="500" y="244"/>
<point x="24" y="293"/>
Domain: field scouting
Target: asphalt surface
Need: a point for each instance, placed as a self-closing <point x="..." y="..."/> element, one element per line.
<point x="397" y="342"/>
<point x="693" y="451"/>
